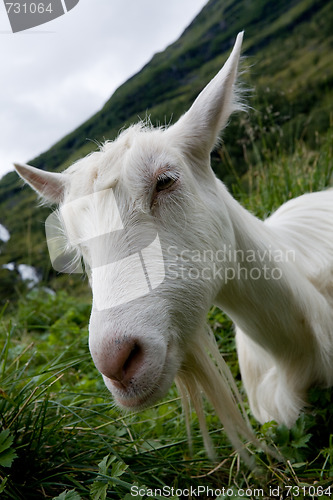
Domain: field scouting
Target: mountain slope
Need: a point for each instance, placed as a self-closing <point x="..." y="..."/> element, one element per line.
<point x="288" y="45"/>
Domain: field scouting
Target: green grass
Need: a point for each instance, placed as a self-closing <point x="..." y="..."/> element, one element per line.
<point x="60" y="431"/>
<point x="62" y="437"/>
<point x="275" y="174"/>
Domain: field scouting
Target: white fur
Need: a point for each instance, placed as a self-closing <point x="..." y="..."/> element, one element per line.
<point x="273" y="278"/>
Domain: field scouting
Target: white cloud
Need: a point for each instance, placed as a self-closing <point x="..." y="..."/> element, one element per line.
<point x="57" y="75"/>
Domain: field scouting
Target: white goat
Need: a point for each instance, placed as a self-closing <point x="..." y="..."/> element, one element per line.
<point x="150" y="197"/>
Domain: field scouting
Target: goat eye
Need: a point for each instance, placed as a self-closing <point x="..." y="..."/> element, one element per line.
<point x="165" y="181"/>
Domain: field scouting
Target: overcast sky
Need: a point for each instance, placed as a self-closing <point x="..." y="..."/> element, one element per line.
<point x="55" y="76"/>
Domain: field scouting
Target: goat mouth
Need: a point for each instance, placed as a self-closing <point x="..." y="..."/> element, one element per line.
<point x="132" y="400"/>
<point x="136" y="397"/>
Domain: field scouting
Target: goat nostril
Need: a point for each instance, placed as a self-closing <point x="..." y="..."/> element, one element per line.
<point x="123" y="363"/>
<point x="133" y="359"/>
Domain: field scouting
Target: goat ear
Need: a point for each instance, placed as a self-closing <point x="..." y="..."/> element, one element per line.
<point x="50" y="186"/>
<point x="199" y="128"/>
